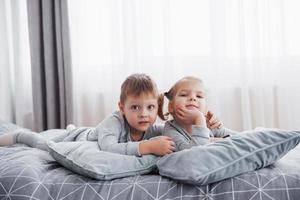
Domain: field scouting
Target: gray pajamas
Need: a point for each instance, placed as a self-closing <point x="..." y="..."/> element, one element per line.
<point x="31" y="139"/>
<point x="199" y="136"/>
<point x="112" y="134"/>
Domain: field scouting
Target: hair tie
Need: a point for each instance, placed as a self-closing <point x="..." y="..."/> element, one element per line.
<point x="167" y="95"/>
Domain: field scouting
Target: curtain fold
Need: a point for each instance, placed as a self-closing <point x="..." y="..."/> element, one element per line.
<point x="247" y="53"/>
<point x="15" y="70"/>
<point x="51" y="63"/>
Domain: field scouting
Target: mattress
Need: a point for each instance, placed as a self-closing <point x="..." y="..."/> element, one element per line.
<point x="29" y="173"/>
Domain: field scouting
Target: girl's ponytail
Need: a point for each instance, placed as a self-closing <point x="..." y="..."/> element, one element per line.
<point x="160" y="108"/>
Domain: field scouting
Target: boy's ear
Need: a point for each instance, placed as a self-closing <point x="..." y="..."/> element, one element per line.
<point x="121" y="107"/>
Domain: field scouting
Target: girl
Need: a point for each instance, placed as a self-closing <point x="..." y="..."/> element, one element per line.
<point x="192" y="123"/>
<point x="129" y="131"/>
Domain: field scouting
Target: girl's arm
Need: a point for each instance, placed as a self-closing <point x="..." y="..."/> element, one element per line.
<point x="183" y="140"/>
<point x="223" y="132"/>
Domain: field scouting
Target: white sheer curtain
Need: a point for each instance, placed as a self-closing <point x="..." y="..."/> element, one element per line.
<point x="247" y="52"/>
<point x="15" y="71"/>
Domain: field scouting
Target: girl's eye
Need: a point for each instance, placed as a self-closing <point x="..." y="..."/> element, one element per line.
<point x="200" y="97"/>
<point x="151" y="107"/>
<point x="182" y="95"/>
<point x="134" y="107"/>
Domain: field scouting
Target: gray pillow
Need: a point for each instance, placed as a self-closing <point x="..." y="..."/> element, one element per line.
<point x="241" y="153"/>
<point x="85" y="158"/>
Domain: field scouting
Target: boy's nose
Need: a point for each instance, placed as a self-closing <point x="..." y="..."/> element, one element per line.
<point x="143" y="113"/>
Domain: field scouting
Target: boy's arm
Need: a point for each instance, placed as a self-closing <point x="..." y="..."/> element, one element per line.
<point x="159" y="146"/>
<point x="154" y="131"/>
<point x="109" y="131"/>
<point x="216" y="126"/>
<point x="212" y="121"/>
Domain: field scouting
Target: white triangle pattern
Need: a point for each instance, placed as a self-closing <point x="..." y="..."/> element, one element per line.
<point x="27" y="173"/>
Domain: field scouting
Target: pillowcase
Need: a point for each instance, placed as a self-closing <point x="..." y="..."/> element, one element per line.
<point x="87" y="159"/>
<point x="232" y="156"/>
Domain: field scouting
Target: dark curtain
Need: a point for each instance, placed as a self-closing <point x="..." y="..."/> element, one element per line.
<point x="51" y="63"/>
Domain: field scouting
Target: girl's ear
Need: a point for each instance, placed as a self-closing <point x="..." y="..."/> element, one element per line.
<point x="121" y="107"/>
<point x="170" y="107"/>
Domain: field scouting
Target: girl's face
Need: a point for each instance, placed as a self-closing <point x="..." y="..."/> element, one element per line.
<point x="140" y="112"/>
<point x="189" y="94"/>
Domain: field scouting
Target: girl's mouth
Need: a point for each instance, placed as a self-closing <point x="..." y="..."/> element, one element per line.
<point x="191" y="106"/>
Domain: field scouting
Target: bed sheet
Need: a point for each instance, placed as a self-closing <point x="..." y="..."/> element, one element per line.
<point x="28" y="173"/>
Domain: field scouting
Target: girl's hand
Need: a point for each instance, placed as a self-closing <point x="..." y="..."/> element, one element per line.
<point x="191" y="116"/>
<point x="212" y="121"/>
<point x="215" y="139"/>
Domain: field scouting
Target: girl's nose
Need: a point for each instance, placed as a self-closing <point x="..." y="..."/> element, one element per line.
<point x="192" y="99"/>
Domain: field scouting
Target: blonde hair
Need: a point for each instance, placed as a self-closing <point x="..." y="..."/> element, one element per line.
<point x="137" y="84"/>
<point x="170" y="95"/>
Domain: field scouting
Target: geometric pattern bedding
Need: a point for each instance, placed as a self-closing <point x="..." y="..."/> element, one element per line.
<point x="28" y="173"/>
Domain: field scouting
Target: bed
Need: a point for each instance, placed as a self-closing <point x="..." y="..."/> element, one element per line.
<point x="28" y="173"/>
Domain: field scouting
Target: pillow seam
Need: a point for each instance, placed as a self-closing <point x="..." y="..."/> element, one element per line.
<point x="237" y="160"/>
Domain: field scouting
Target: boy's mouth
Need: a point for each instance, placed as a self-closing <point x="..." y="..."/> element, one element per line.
<point x="144" y="122"/>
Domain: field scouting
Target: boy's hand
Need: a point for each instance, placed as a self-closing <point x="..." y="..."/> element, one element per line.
<point x="159" y="146"/>
<point x="212" y="121"/>
<point x="191" y="116"/>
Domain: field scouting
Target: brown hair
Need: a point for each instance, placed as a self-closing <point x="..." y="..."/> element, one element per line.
<point x="136" y="84"/>
<point x="170" y="95"/>
<point x="160" y="111"/>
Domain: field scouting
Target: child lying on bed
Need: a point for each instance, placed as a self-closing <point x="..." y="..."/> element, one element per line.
<point x="126" y="131"/>
<point x="192" y="123"/>
<point x="130" y="131"/>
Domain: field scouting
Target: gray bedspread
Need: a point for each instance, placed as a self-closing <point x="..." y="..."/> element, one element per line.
<point x="27" y="173"/>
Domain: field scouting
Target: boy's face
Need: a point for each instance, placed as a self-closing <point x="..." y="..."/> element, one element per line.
<point x="140" y="112"/>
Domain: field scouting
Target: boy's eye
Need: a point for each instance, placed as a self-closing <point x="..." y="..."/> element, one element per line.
<point x="135" y="107"/>
<point x="182" y="95"/>
<point x="151" y="107"/>
<point x="200" y="96"/>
